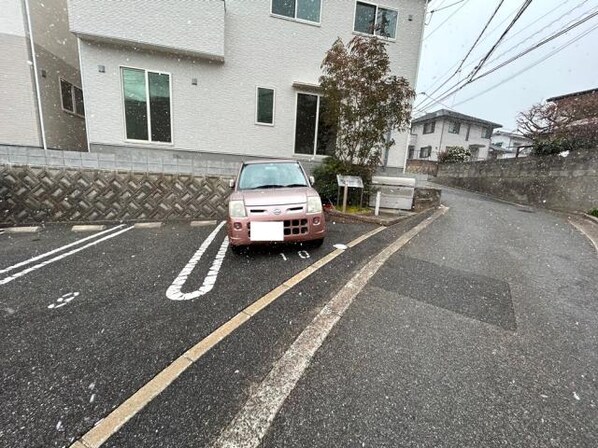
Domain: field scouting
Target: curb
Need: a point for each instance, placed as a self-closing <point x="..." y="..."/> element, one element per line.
<point x="147" y="225"/>
<point x="350" y="218"/>
<point x="30" y="229"/>
<point x="88" y="228"/>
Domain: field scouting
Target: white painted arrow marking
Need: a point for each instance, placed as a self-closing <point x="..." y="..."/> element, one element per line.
<point x="174" y="291"/>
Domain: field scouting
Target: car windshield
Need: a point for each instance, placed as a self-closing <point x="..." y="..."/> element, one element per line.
<point x="271" y="175"/>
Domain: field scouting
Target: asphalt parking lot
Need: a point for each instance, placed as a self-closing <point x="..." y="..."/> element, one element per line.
<point x="88" y="318"/>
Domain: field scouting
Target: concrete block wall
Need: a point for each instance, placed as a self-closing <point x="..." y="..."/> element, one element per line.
<point x="568" y="182"/>
<point x="421" y="167"/>
<point x="31" y="195"/>
<point x="127" y="160"/>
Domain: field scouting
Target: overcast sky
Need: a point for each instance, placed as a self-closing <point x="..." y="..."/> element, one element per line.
<point x="445" y="44"/>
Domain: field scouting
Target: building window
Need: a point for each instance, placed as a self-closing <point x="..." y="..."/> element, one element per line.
<point x="308" y="10"/>
<point x="71" y="98"/>
<point x="454" y="127"/>
<point x="264" y="106"/>
<point x="312" y="134"/>
<point x="411" y="152"/>
<point x="486" y="132"/>
<point x="425" y="152"/>
<point x="147" y="105"/>
<point x="468" y="131"/>
<point x="373" y="19"/>
<point x="429" y="127"/>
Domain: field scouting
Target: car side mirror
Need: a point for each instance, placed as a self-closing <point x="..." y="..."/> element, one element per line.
<point x="231" y="183"/>
<point x="312" y="180"/>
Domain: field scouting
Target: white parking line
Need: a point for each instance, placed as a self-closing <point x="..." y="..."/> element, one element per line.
<point x="174" y="291"/>
<point x="59" y="249"/>
<point x="6" y="280"/>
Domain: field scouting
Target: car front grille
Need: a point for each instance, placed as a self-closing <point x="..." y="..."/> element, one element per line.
<point x="291" y="227"/>
<point x="295" y="226"/>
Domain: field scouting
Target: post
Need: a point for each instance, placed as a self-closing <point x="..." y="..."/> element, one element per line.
<point x="377" y="209"/>
<point x="345" y="193"/>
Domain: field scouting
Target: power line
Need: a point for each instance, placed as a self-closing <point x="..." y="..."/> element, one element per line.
<point x="525" y="5"/>
<point x="500" y="3"/>
<point x="446" y="7"/>
<point x="456" y="87"/>
<point x="479" y="37"/>
<point x="425" y="104"/>
<point x="521" y="10"/>
<point x="447" y="19"/>
<point x="541" y="43"/>
<point x="535" y="64"/>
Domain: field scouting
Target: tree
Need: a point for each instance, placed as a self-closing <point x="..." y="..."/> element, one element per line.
<point x="454" y="154"/>
<point x="569" y="124"/>
<point x="364" y="102"/>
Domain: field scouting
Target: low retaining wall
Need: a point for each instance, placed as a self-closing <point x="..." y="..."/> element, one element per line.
<point x="421" y="167"/>
<point x="31" y="195"/>
<point x="425" y="198"/>
<point x="556" y="182"/>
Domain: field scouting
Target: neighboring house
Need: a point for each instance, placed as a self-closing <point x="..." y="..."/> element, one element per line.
<point x="226" y="80"/>
<point x="581" y="95"/>
<point x="580" y="108"/>
<point x="506" y="145"/>
<point x="41" y="98"/>
<point x="434" y="132"/>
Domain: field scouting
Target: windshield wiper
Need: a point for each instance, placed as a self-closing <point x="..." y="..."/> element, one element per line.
<point x="267" y="186"/>
<point x="295" y="185"/>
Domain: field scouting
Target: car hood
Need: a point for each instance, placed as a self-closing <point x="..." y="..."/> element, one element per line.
<point x="274" y="196"/>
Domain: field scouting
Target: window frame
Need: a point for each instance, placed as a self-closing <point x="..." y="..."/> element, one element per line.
<point x="433" y="123"/>
<point x="456" y="125"/>
<point x="313" y="155"/>
<point x="377" y="5"/>
<point x="149" y="128"/>
<point x="428" y="149"/>
<point x="486" y="132"/>
<point x="72" y="89"/>
<point x="295" y="18"/>
<point x="260" y="123"/>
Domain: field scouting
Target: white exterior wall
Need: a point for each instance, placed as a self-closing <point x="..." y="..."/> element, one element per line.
<point x="19" y="124"/>
<point x="57" y="54"/>
<point x="190" y="26"/>
<point x="440" y="139"/>
<point x="218" y="115"/>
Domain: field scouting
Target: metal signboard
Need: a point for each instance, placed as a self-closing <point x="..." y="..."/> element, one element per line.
<point x="349" y="181"/>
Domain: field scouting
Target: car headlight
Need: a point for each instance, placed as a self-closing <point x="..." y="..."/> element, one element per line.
<point x="236" y="209"/>
<point x="314" y="204"/>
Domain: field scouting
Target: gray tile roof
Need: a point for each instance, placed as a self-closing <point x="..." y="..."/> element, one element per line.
<point x="451" y="114"/>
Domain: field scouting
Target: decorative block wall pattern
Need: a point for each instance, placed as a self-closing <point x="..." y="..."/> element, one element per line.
<point x="30" y="194"/>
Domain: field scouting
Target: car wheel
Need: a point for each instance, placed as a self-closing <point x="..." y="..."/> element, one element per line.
<point x="238" y="250"/>
<point x="317" y="243"/>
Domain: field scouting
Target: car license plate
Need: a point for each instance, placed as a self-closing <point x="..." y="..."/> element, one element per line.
<point x="267" y="231"/>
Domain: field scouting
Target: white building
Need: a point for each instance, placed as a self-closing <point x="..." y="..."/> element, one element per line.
<point x="434" y="132"/>
<point x="508" y="145"/>
<point x="225" y="80"/>
<point x="41" y="98"/>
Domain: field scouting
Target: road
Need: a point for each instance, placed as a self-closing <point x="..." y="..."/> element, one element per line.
<point x="483" y="331"/>
<point x="480" y="332"/>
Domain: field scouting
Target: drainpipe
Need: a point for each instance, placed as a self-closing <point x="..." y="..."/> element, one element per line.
<point x="441" y="135"/>
<point x="37" y="88"/>
<point x="419" y="58"/>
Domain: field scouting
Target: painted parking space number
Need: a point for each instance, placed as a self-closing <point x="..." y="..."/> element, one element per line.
<point x="303" y="254"/>
<point x="63" y="300"/>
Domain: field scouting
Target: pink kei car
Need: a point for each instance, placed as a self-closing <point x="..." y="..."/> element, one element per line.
<point x="273" y="201"/>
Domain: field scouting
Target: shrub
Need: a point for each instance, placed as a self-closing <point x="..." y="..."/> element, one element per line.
<point x="593" y="212"/>
<point x="454" y="154"/>
<point x="327" y="186"/>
